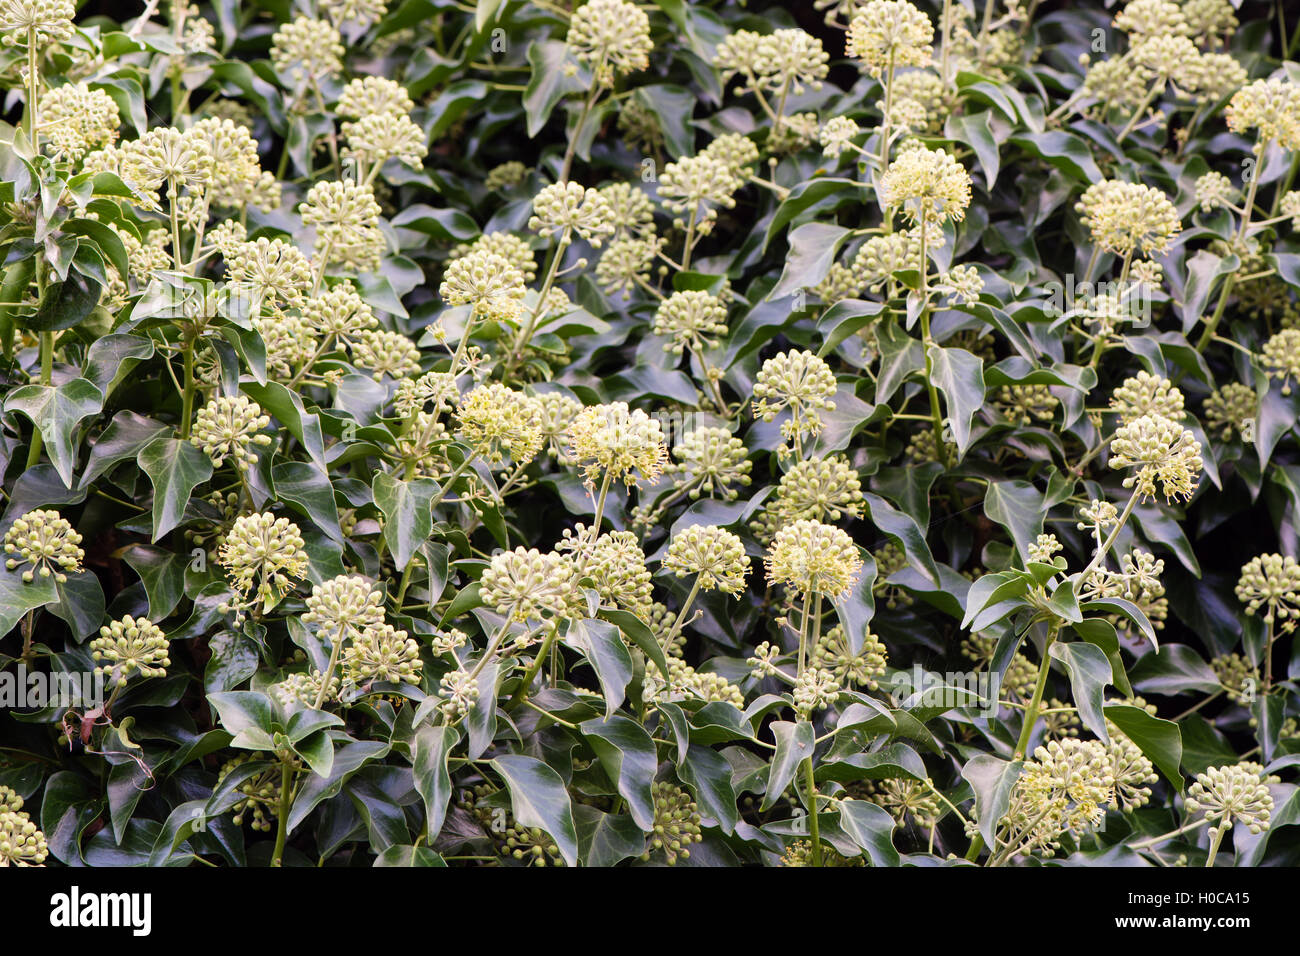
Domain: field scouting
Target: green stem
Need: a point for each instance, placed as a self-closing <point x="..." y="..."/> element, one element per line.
<point x="451" y="479"/>
<point x="1100" y="556"/>
<point x="286" y="801"/>
<point x="1137" y="113"/>
<point x="1248" y="207"/>
<point x="187" y="398"/>
<point x="1215" y="841"/>
<point x="681" y="617"/>
<point x="526" y="330"/>
<point x="814" y="826"/>
<point x="1036" y="702"/>
<point x="492" y="648"/>
<point x="47" y="372"/>
<point x="940" y="446"/>
<point x="531" y="674"/>
<point x="33" y="86"/>
<point x="885" y="129"/>
<point x="335" y="651"/>
<point x="587" y="105"/>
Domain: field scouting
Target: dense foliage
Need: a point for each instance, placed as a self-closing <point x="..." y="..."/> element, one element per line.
<point x="453" y="433"/>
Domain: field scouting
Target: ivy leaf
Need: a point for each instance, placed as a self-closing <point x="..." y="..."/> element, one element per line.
<point x="17" y="597"/>
<point x="408" y="518"/>
<point x="240" y="711"/>
<point x="813" y="247"/>
<point x="991" y="778"/>
<point x="960" y="376"/>
<point x="174" y="467"/>
<point x="65" y="304"/>
<point x="1019" y="507"/>
<point x="872" y="828"/>
<point x="111" y="358"/>
<point x="548" y="83"/>
<point x="601" y="644"/>
<point x="1089" y="671"/>
<point x="1160" y="740"/>
<point x="627" y="753"/>
<point x="794" y="742"/>
<point x="124" y="437"/>
<point x="708" y="775"/>
<point x="56" y="411"/>
<point x="538" y="798"/>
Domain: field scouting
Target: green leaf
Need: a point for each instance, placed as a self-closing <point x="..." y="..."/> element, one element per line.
<point x="408" y="518"/>
<point x="65" y="304"/>
<point x="1102" y="633"/>
<point x="794" y="742"/>
<point x="287" y="406"/>
<point x="1160" y="740"/>
<point x="709" y="777"/>
<point x="57" y="411"/>
<point x="902" y="527"/>
<point x="813" y="247"/>
<point x="548" y="83"/>
<point x="538" y="798"/>
<point x="960" y="376"/>
<point x="991" y="778"/>
<point x="307" y="487"/>
<point x="80" y="604"/>
<point x="1174" y="669"/>
<point x="673" y="107"/>
<point x="241" y="711"/>
<point x="111" y="358"/>
<point x="487" y="11"/>
<point x="17" y="598"/>
<point x="163" y="575"/>
<point x="124" y="438"/>
<point x="872" y="828"/>
<point x="627" y="753"/>
<point x="601" y="644"/>
<point x="1018" y="506"/>
<point x="636" y="631"/>
<point x="1065" y="151"/>
<point x="804" y="196"/>
<point x="1089" y="671"/>
<point x="975" y="131"/>
<point x="416" y="856"/>
<point x="318" y="751"/>
<point x="607" y="839"/>
<point x="174" y="467"/>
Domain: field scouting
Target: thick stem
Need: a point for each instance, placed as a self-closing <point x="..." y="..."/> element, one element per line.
<point x="940" y="446"/>
<point x="531" y="674"/>
<point x="187" y="398"/>
<point x="33" y="94"/>
<point x="885" y="129"/>
<point x="814" y="826"/>
<point x="1036" y="702"/>
<point x="47" y="372"/>
<point x="286" y="802"/>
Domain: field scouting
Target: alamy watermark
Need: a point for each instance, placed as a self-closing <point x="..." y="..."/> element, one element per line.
<point x="23" y="689"/>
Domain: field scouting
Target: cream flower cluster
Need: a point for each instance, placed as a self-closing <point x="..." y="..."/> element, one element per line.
<point x="47" y="541"/>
